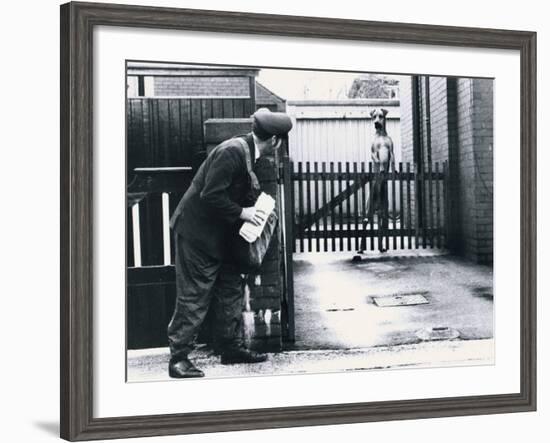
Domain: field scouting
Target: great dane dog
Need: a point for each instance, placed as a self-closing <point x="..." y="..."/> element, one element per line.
<point x="383" y="163"/>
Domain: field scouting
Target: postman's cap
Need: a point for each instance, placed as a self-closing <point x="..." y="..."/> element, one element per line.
<point x="266" y="123"/>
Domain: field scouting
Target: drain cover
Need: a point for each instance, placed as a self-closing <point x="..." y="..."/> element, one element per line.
<point x="400" y="300"/>
<point x="438" y="333"/>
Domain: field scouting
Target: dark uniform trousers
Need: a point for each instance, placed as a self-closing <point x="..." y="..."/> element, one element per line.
<point x="200" y="278"/>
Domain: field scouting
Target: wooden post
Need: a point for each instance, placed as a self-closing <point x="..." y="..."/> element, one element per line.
<point x="292" y="208"/>
<point x="349" y="216"/>
<point x="356" y="179"/>
<point x="394" y="235"/>
<point x="446" y="203"/>
<point x="332" y="209"/>
<point x="416" y="207"/>
<point x="308" y="206"/>
<point x="289" y="243"/>
<point x="316" y="201"/>
<point x="409" y="209"/>
<point x="341" y="209"/>
<point x="324" y="202"/>
<point x="301" y="232"/>
<point x="401" y="212"/>
<point x="371" y="211"/>
<point x="363" y="245"/>
<point x="430" y="205"/>
<point x="438" y="203"/>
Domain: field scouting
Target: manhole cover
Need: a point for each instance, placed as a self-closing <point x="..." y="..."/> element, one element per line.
<point x="400" y="300"/>
<point x="438" y="333"/>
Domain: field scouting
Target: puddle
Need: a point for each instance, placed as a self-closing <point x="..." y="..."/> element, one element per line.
<point x="400" y="300"/>
<point x="484" y="292"/>
<point x="436" y="333"/>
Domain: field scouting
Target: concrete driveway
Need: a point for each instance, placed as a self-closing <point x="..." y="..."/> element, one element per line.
<point x="334" y="298"/>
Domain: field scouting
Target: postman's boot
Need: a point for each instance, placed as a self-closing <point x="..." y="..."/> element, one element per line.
<point x="241" y="355"/>
<point x="183" y="368"/>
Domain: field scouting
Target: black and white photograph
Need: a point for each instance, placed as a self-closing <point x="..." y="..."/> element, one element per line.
<point x="291" y="221"/>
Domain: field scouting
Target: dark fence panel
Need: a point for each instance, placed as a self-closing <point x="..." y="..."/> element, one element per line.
<point x="164" y="132"/>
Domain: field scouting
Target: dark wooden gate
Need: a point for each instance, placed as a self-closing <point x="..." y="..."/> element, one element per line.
<point x="331" y="200"/>
<point x="150" y="259"/>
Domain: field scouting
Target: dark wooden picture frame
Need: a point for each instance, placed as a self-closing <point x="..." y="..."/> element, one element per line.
<point x="77" y="214"/>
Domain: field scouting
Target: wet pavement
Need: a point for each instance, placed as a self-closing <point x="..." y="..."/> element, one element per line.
<point x="334" y="298"/>
<point x="340" y="328"/>
<point x="152" y="364"/>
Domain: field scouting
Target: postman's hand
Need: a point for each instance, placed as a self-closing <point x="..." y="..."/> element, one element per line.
<point x="251" y="215"/>
<point x="259" y="217"/>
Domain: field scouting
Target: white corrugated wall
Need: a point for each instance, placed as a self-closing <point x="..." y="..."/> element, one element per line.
<point x="340" y="130"/>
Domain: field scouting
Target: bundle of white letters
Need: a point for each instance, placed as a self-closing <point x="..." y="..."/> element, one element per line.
<point x="264" y="206"/>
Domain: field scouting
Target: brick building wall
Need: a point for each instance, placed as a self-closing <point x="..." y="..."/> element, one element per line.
<point x="461" y="121"/>
<point x="465" y="165"/>
<point x="478" y="162"/>
<point x="202" y="86"/>
<point x="439" y="117"/>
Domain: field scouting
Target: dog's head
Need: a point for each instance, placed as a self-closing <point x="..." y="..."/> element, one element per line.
<point x="378" y="116"/>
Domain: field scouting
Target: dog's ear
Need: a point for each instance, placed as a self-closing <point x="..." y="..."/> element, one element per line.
<point x="384" y="111"/>
<point x="372" y="113"/>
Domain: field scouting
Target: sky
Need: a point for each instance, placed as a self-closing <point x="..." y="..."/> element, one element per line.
<point x="308" y="85"/>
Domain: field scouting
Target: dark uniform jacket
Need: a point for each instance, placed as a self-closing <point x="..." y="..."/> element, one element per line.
<point x="207" y="216"/>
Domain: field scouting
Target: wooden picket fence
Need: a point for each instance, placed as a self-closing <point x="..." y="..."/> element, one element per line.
<point x="330" y="202"/>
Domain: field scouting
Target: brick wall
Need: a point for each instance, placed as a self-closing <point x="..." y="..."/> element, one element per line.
<point x="266" y="288"/>
<point x="202" y="86"/>
<point x="483" y="104"/>
<point x="465" y="165"/>
<point x="461" y="120"/>
<point x="438" y="119"/>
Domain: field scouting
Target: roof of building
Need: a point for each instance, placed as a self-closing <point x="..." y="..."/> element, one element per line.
<point x="184" y="69"/>
<point x="264" y="95"/>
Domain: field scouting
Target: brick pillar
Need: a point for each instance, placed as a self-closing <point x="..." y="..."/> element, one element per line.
<point x="265" y="289"/>
<point x="483" y="157"/>
<point x="462" y="133"/>
<point x="263" y="294"/>
<point x="453" y="230"/>
<point x="475" y="168"/>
